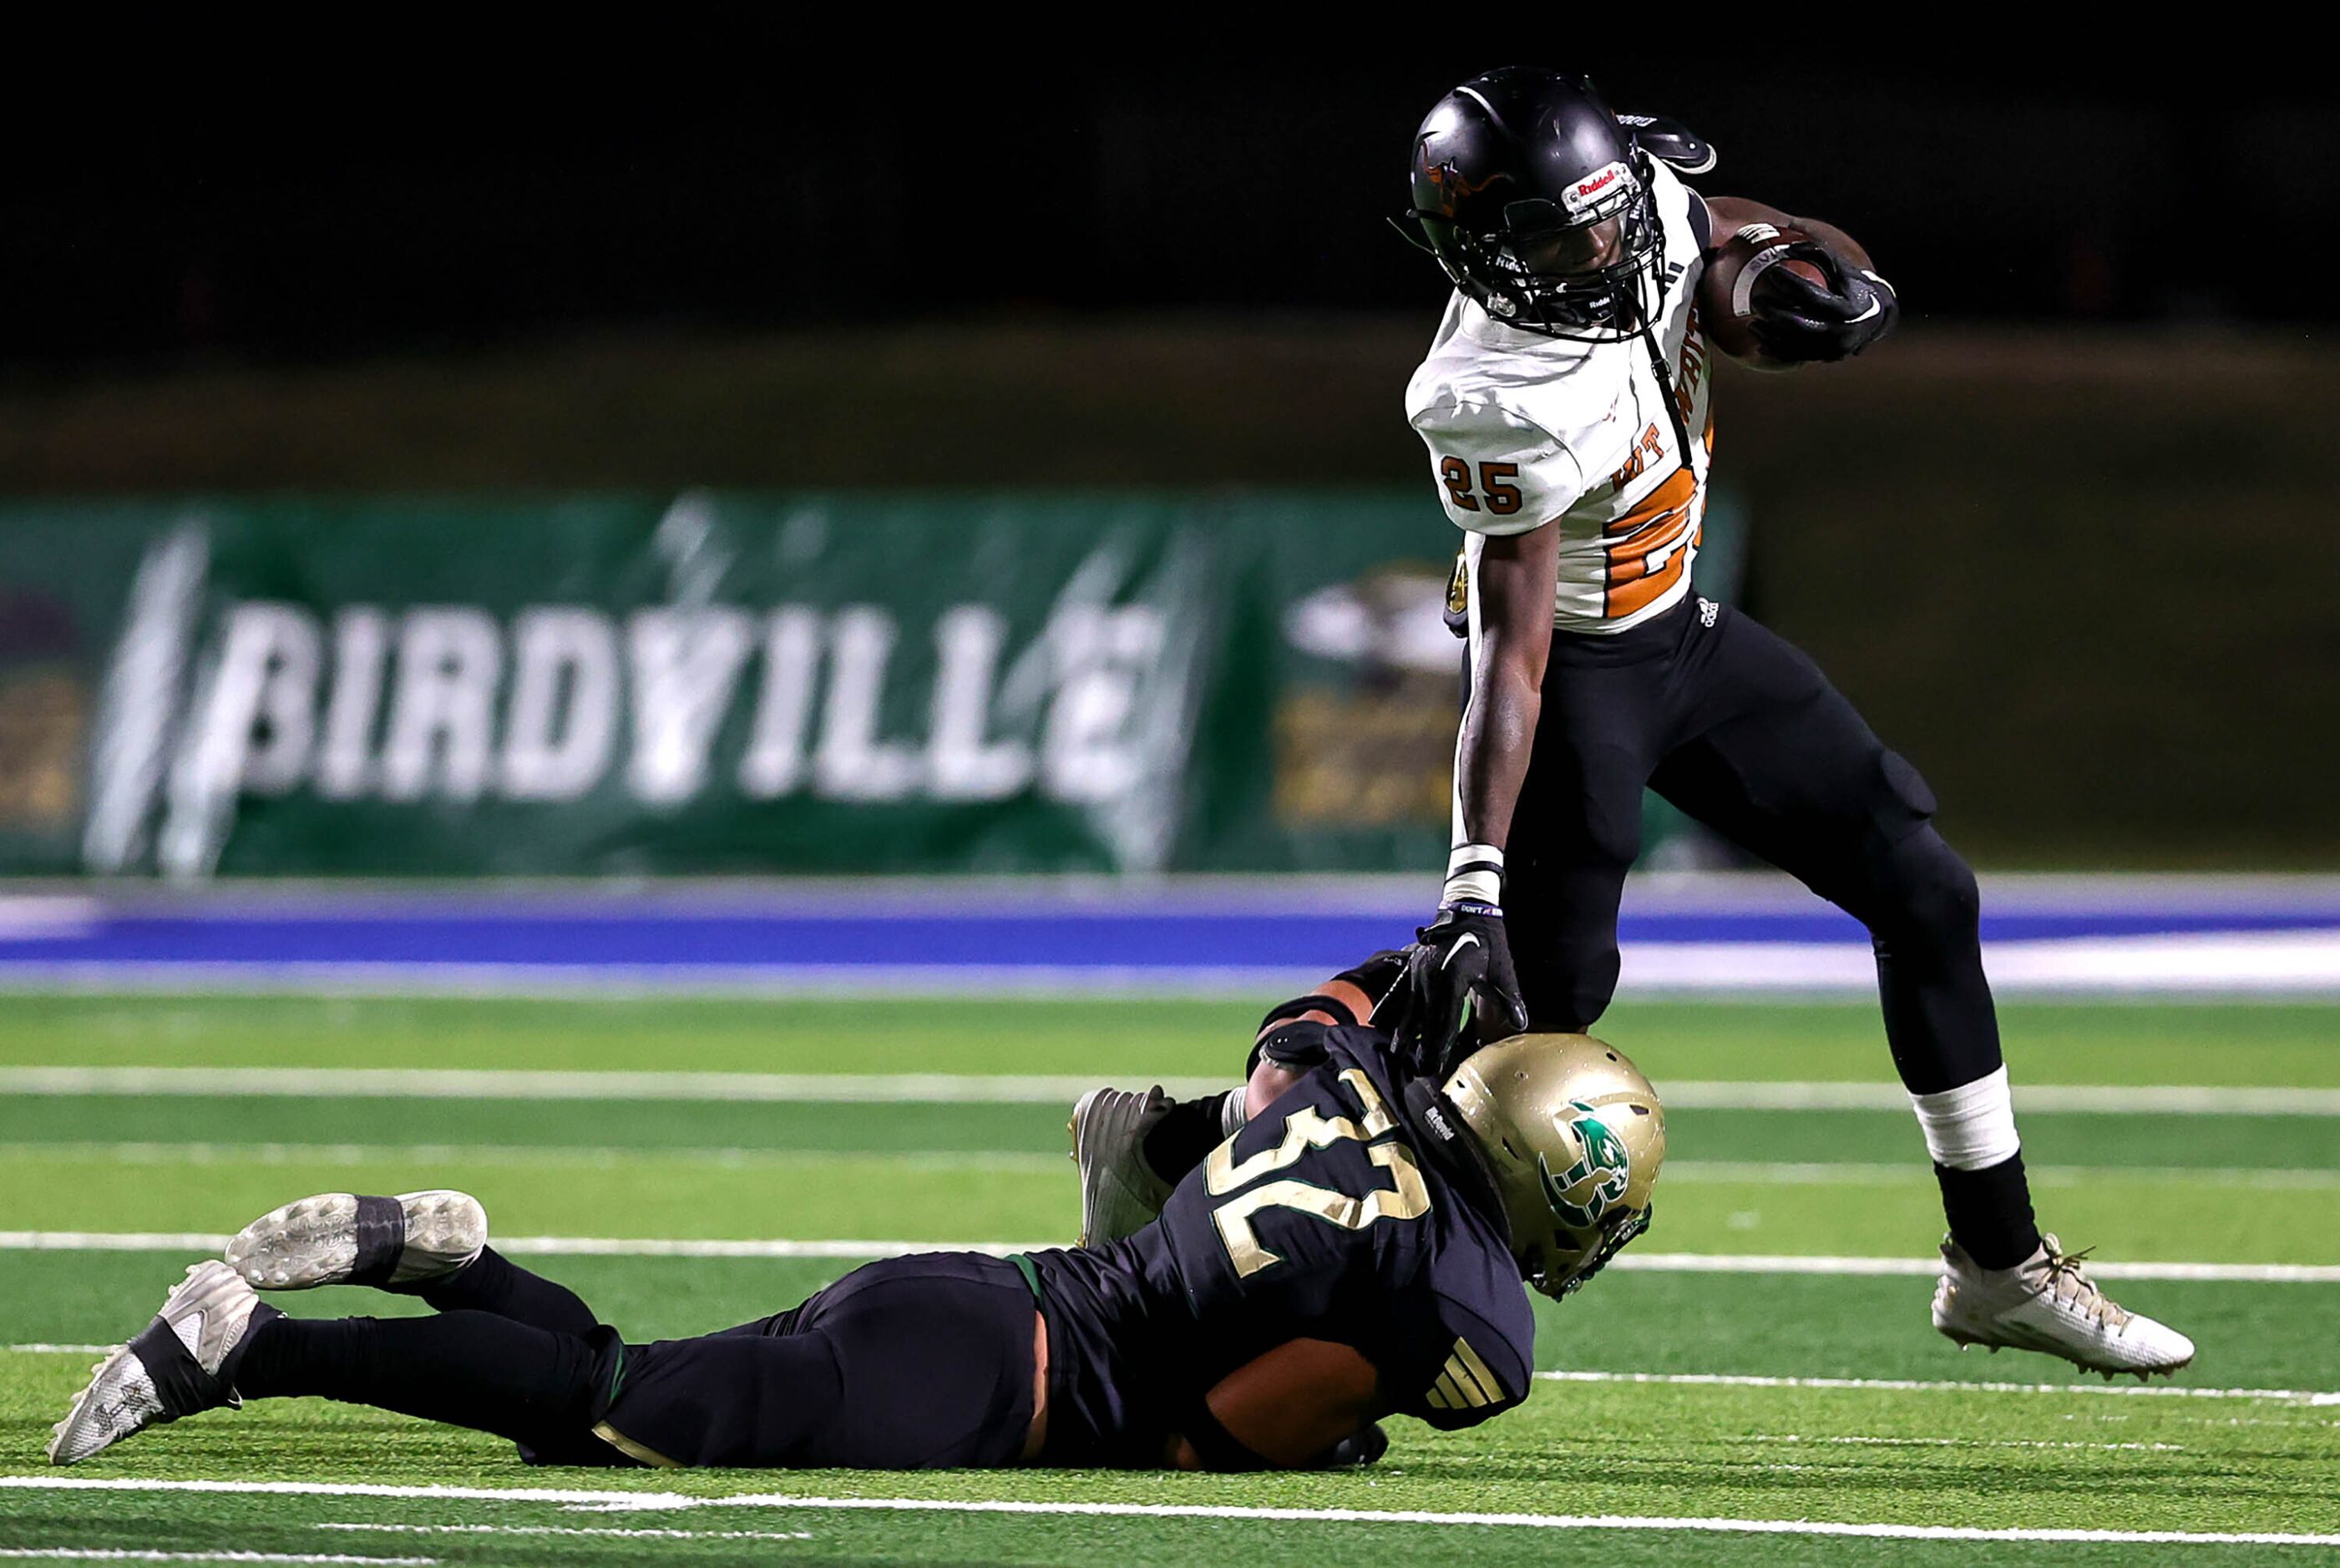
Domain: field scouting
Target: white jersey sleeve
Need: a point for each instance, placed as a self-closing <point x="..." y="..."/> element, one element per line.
<point x="1497" y="471"/>
<point x="1606" y="440"/>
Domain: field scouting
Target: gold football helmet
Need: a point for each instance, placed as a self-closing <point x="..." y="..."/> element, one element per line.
<point x="1573" y="1135"/>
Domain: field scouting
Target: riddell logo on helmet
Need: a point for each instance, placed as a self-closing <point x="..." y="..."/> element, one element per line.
<point x="1590" y="190"/>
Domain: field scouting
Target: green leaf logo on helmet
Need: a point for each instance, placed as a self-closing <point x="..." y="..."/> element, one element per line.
<point x="1582" y="1194"/>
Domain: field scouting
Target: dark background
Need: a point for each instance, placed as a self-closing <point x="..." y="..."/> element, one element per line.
<point x="2068" y="540"/>
<point x="435" y="180"/>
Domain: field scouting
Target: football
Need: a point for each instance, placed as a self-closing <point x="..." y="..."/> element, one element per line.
<point x="1726" y="291"/>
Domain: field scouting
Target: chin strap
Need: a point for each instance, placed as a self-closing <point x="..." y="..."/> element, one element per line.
<point x="1647" y="329"/>
<point x="1610" y="1245"/>
<point x="1666" y="389"/>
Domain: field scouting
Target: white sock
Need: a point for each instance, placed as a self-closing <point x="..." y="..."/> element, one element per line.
<point x="1971" y="1127"/>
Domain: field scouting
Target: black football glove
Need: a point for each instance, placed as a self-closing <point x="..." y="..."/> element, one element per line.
<point x="1798" y="321"/>
<point x="1355" y="1451"/>
<point x="1464" y="992"/>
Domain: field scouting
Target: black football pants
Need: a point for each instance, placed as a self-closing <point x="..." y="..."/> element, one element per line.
<point x="920" y="1362"/>
<point x="1743" y="732"/>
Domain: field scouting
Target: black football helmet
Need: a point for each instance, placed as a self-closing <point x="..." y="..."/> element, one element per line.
<point x="1537" y="204"/>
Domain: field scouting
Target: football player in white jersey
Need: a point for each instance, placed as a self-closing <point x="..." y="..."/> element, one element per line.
<point x="1566" y="404"/>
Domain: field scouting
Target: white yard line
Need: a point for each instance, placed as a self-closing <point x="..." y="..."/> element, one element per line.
<point x="532" y="1245"/>
<point x="629" y="1502"/>
<point x="112" y="1241"/>
<point x="393" y="979"/>
<point x="646" y="1532"/>
<point x="430" y="1083"/>
<point x="1918" y="1173"/>
<point x="1944" y="1385"/>
<point x="2105" y="1098"/>
<point x="1790" y="1263"/>
<point x="604" y="1157"/>
<point x="599" y="1156"/>
<point x="124" y="1554"/>
<point x="1963" y="1442"/>
<point x="1043" y="1088"/>
<point x="1653" y="1262"/>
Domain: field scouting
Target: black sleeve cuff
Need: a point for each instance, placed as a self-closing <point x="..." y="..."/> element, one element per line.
<point x="1215" y="1446"/>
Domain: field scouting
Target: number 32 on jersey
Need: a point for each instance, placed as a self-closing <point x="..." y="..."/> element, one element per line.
<point x="1304" y="1130"/>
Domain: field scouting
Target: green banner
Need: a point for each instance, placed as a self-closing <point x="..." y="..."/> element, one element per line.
<point x="717" y="682"/>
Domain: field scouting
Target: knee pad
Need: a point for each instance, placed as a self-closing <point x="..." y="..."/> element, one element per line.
<point x="1568" y="987"/>
<point x="1923" y="890"/>
<point x="1296" y="1047"/>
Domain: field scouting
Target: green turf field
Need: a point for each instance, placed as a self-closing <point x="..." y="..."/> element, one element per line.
<point x="1762" y="1373"/>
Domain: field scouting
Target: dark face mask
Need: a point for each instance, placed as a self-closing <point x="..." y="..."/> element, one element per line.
<point x="1593" y="280"/>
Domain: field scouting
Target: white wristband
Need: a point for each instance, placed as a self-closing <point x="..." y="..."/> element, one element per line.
<point x="1474" y="874"/>
<point x="1463" y="856"/>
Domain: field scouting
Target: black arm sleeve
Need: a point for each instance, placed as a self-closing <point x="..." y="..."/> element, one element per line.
<point x="1214" y="1445"/>
<point x="1381" y="978"/>
<point x="1299" y="1045"/>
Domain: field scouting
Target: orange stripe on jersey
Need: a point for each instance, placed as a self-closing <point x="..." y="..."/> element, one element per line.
<point x="1654" y="527"/>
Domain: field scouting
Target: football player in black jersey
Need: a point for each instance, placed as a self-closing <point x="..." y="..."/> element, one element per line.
<point x="1359" y="1249"/>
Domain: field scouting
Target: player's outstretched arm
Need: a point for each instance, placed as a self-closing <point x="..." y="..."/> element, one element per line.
<point x="1284" y="1410"/>
<point x="1463" y="965"/>
<point x="1517" y="579"/>
<point x="1798" y="320"/>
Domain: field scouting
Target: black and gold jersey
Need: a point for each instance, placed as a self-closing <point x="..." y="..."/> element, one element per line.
<point x="1321" y="1219"/>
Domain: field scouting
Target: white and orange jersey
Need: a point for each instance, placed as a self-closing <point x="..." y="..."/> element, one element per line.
<point x="1525" y="429"/>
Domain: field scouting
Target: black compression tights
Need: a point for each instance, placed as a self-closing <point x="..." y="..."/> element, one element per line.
<point x="509" y="1353"/>
<point x="493" y="1283"/>
<point x="469" y="1369"/>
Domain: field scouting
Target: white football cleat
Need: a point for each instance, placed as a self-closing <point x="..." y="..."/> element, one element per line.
<point x="2048" y="1302"/>
<point x="177" y="1366"/>
<point x="1121" y="1195"/>
<point x="343" y="1238"/>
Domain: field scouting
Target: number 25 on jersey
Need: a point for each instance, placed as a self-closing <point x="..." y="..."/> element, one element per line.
<point x="1493" y="483"/>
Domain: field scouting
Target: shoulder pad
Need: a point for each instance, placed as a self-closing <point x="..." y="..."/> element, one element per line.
<point x="1296" y="1046"/>
<point x="1669" y="140"/>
